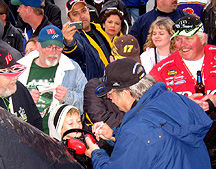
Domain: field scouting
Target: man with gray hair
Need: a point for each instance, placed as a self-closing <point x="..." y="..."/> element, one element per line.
<point x="160" y="129"/>
<point x="178" y="71"/>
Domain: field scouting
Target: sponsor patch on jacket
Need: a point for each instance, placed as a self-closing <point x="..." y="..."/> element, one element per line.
<point x="213" y="71"/>
<point x="170" y="83"/>
<point x="170" y="88"/>
<point x="159" y="68"/>
<point x="172" y="72"/>
<point x="212" y="48"/>
<point x="180" y="82"/>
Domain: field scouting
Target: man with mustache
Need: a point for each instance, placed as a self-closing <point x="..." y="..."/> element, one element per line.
<point x="179" y="70"/>
<point x="89" y="46"/>
<point x="51" y="77"/>
<point x="164" y="8"/>
<point x="160" y="129"/>
<point x="14" y="97"/>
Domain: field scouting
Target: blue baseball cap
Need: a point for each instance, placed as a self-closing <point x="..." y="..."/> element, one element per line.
<point x="32" y="3"/>
<point x="50" y="35"/>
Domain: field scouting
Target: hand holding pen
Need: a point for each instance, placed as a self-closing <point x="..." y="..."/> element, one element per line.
<point x="102" y="130"/>
<point x="104" y="121"/>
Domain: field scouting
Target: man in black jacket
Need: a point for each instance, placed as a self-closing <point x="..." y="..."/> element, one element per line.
<point x="99" y="108"/>
<point x="11" y="34"/>
<point x="14" y="97"/>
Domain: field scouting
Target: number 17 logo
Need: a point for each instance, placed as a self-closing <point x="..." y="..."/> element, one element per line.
<point x="128" y="48"/>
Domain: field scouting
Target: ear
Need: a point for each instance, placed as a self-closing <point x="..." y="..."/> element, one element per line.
<point x="104" y="25"/>
<point x="29" y="9"/>
<point x="38" y="46"/>
<point x="4" y="16"/>
<point x="203" y="39"/>
<point x="111" y="59"/>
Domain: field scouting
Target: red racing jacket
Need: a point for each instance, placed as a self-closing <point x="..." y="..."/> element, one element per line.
<point x="177" y="77"/>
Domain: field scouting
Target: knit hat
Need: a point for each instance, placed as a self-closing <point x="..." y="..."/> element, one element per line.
<point x="120" y="74"/>
<point x="188" y="26"/>
<point x="32" y="3"/>
<point x="8" y="66"/>
<point x="56" y="119"/>
<point x="70" y="4"/>
<point x="50" y="35"/>
<point x="126" y="46"/>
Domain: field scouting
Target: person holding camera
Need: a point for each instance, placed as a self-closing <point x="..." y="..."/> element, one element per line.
<point x="89" y="46"/>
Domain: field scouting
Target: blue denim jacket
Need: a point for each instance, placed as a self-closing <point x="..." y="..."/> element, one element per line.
<point x="68" y="74"/>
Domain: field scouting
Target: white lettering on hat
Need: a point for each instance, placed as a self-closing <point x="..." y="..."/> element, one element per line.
<point x="55" y="36"/>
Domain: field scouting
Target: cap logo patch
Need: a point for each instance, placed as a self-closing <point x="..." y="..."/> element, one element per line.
<point x="128" y="48"/>
<point x="73" y="1"/>
<point x="8" y="58"/>
<point x="135" y="67"/>
<point x="116" y="84"/>
<point x="183" y="25"/>
<point x="51" y="31"/>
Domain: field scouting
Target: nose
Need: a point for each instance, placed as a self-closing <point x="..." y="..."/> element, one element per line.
<point x="76" y="125"/>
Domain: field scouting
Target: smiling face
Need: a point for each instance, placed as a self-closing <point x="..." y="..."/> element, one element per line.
<point x="190" y="48"/>
<point x="161" y="37"/>
<point x="112" y="25"/>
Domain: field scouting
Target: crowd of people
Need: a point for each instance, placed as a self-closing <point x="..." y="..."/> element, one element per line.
<point x="121" y="84"/>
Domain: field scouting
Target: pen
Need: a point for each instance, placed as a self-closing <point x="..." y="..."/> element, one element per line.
<point x="104" y="121"/>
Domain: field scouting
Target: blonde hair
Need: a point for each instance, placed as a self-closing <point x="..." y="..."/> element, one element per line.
<point x="73" y="111"/>
<point x="161" y="22"/>
<point x="39" y="11"/>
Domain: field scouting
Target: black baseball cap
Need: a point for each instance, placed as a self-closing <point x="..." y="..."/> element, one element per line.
<point x="188" y="26"/>
<point x="8" y="66"/>
<point x="120" y="74"/>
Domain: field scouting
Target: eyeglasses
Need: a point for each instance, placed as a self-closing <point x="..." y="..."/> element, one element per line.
<point x="51" y="48"/>
<point x="109" y="94"/>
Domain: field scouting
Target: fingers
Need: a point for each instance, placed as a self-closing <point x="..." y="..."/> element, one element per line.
<point x="95" y="126"/>
<point x="60" y="92"/>
<point x="91" y="147"/>
<point x="68" y="32"/>
<point x="35" y="95"/>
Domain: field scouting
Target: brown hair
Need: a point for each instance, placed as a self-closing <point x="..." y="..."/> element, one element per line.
<point x="161" y="22"/>
<point x="4" y="9"/>
<point x="113" y="12"/>
<point x="213" y="2"/>
<point x="34" y="40"/>
<point x="38" y="11"/>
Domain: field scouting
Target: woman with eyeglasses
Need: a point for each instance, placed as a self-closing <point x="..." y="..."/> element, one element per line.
<point x="158" y="44"/>
<point x="113" y="23"/>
